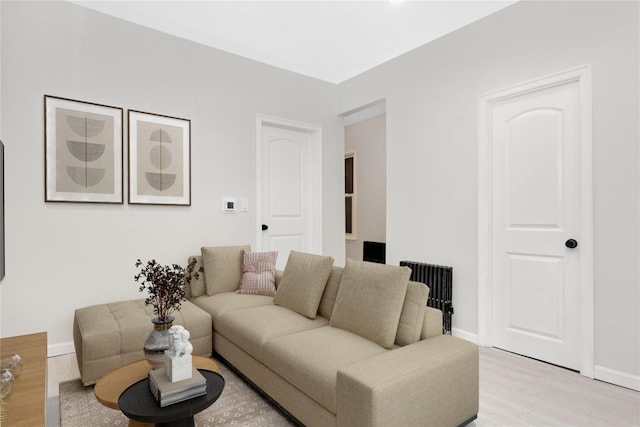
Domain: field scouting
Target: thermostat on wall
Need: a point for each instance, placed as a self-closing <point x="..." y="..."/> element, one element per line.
<point x="229" y="205"/>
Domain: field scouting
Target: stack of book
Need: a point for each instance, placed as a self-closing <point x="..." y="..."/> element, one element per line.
<point x="167" y="393"/>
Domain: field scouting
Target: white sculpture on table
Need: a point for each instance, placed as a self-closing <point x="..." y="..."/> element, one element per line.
<point x="178" y="358"/>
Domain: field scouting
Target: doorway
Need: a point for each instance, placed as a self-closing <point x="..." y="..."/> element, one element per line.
<point x="365" y="179"/>
<point x="535" y="225"/>
<point x="289" y="187"/>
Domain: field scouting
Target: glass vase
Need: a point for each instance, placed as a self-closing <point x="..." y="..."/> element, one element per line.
<point x="157" y="341"/>
<point x="13" y="363"/>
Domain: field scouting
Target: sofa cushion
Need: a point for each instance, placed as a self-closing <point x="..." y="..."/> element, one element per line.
<point x="197" y="286"/>
<point x="258" y="273"/>
<point x="328" y="299"/>
<point x="310" y="360"/>
<point x="220" y="304"/>
<point x="250" y="328"/>
<point x="370" y="300"/>
<point x="412" y="315"/>
<point x="303" y="282"/>
<point x="222" y="268"/>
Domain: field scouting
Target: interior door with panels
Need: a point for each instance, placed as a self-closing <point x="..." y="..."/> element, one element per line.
<point x="536" y="224"/>
<point x="289" y="188"/>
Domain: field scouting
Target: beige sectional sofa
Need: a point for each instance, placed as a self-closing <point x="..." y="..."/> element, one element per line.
<point x="366" y="352"/>
<point x="333" y="346"/>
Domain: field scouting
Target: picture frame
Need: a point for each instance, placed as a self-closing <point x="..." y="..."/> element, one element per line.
<point x="2" y="245"/>
<point x="159" y="159"/>
<point x="83" y="151"/>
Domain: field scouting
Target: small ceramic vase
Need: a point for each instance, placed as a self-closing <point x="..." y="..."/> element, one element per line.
<point x="157" y="341"/>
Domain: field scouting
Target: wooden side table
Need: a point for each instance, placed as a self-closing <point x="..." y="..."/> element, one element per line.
<point x="26" y="404"/>
<point x="109" y="388"/>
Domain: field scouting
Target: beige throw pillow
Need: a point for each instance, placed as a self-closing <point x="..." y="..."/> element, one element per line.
<point x="412" y="315"/>
<point x="258" y="273"/>
<point x="303" y="281"/>
<point x="222" y="268"/>
<point x="370" y="300"/>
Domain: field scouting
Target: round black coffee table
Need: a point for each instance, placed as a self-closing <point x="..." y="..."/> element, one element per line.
<point x="137" y="403"/>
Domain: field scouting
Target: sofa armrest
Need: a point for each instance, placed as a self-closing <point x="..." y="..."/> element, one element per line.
<point x="432" y="325"/>
<point x="433" y="382"/>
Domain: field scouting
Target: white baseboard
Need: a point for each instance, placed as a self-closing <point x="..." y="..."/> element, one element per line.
<point x="616" y="377"/>
<point x="469" y="336"/>
<point x="60" y="349"/>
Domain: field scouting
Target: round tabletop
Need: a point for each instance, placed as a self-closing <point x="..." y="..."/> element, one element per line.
<point x="109" y="388"/>
<point x="137" y="403"/>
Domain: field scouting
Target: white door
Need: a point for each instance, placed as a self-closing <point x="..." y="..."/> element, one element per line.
<point x="289" y="188"/>
<point x="536" y="174"/>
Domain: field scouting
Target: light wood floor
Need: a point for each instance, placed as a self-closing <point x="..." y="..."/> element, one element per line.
<point x="518" y="391"/>
<point x="514" y="391"/>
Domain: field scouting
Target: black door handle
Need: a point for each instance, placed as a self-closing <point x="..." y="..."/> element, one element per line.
<point x="265" y="227"/>
<point x="571" y="243"/>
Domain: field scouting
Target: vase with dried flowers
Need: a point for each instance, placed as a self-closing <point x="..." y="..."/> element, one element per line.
<point x="166" y="286"/>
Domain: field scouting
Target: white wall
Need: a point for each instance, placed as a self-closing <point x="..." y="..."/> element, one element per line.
<point x="62" y="256"/>
<point x="368" y="138"/>
<point x="432" y="95"/>
<point x="58" y="259"/>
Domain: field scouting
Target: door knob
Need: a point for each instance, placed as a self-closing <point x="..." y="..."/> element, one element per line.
<point x="265" y="227"/>
<point x="571" y="243"/>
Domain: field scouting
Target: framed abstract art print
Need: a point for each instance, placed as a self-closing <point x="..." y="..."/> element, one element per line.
<point x="159" y="159"/>
<point x="1" y="211"/>
<point x="83" y="151"/>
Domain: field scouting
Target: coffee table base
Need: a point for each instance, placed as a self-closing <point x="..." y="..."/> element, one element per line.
<point x="181" y="423"/>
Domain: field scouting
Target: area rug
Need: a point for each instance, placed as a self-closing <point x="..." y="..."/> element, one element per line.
<point x="239" y="405"/>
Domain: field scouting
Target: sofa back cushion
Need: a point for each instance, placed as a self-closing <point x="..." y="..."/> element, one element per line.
<point x="222" y="268"/>
<point x="330" y="292"/>
<point x="412" y="315"/>
<point x="303" y="282"/>
<point x="432" y="325"/>
<point x="197" y="287"/>
<point x="370" y="300"/>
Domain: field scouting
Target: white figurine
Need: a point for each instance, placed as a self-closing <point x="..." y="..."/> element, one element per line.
<point x="178" y="357"/>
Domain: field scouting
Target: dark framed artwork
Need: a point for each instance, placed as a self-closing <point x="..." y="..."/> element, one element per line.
<point x="83" y="151"/>
<point x="159" y="159"/>
<point x="2" y="268"/>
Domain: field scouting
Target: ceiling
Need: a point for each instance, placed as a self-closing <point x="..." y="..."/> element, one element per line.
<point x="327" y="40"/>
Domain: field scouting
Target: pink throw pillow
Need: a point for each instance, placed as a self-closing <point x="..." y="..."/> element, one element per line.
<point x="258" y="273"/>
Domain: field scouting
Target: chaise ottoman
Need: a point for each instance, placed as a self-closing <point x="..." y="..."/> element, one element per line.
<point x="107" y="336"/>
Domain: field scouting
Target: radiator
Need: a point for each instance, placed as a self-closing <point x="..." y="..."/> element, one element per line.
<point x="439" y="278"/>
